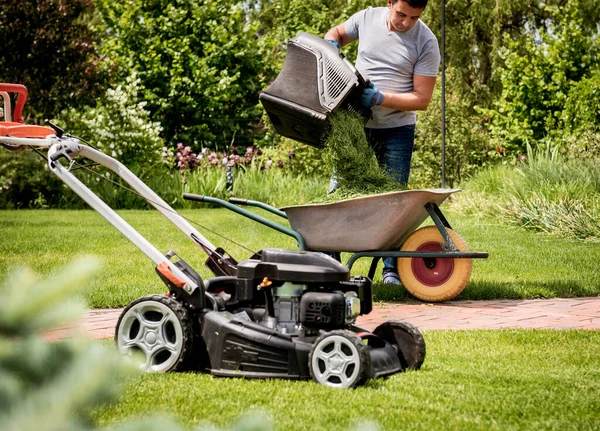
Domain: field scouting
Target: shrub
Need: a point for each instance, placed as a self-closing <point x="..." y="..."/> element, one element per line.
<point x="119" y="125"/>
<point x="57" y="385"/>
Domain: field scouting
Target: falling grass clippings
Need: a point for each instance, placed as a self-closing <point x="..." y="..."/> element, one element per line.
<point x="353" y="160"/>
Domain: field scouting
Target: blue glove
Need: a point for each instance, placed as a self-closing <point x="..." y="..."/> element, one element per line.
<point x="371" y="96"/>
<point x="333" y="42"/>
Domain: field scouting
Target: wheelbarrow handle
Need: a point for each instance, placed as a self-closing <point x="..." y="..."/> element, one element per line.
<point x="258" y="204"/>
<point x="248" y="214"/>
<point x="193" y="197"/>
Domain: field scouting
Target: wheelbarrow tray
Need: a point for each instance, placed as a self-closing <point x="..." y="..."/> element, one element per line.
<point x="376" y="222"/>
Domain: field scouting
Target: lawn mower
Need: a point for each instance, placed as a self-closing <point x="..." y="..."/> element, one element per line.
<point x="279" y="314"/>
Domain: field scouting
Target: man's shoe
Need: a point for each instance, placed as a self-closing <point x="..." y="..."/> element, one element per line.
<point x="390" y="276"/>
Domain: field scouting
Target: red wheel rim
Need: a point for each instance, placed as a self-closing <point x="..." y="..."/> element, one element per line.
<point x="436" y="276"/>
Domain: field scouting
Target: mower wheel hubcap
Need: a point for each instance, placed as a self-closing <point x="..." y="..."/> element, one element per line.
<point x="151" y="330"/>
<point x="336" y="362"/>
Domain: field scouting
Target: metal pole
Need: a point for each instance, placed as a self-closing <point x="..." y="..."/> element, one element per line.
<point x="443" y="94"/>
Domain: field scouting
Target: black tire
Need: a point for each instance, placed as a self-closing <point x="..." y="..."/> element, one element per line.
<point x="339" y="359"/>
<point x="407" y="338"/>
<point x="160" y="328"/>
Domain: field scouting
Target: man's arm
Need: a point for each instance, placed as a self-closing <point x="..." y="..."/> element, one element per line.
<point x="338" y="33"/>
<point x="416" y="100"/>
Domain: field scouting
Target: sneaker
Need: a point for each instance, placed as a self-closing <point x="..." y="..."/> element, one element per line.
<point x="390" y="276"/>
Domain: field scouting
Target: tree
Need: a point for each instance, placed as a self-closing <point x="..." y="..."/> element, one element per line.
<point x="542" y="67"/>
<point x="198" y="62"/>
<point x="48" y="47"/>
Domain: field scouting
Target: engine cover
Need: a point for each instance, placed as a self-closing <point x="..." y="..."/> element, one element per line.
<point x="323" y="309"/>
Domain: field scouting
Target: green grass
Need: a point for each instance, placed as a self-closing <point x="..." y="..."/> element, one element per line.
<point x="509" y="379"/>
<point x="522" y="264"/>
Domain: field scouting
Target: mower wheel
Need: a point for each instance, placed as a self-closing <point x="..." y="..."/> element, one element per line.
<point x="159" y="330"/>
<point x="339" y="359"/>
<point x="408" y="340"/>
<point x="438" y="279"/>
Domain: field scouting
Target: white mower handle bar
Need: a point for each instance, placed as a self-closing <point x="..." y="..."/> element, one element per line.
<point x="69" y="147"/>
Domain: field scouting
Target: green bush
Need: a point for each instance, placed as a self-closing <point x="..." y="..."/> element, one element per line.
<point x="541" y="71"/>
<point x="199" y="63"/>
<point x="119" y="125"/>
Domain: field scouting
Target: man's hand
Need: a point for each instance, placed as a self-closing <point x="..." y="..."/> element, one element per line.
<point x="333" y="42"/>
<point x="371" y="96"/>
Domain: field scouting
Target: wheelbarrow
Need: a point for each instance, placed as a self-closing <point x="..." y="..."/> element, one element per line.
<point x="434" y="262"/>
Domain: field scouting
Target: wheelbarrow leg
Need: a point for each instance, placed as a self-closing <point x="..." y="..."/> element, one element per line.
<point x="373" y="268"/>
<point x="441" y="223"/>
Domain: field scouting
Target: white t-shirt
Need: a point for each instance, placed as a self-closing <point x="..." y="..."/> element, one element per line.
<point x="389" y="59"/>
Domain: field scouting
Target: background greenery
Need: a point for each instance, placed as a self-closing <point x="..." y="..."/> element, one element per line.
<point x="135" y="77"/>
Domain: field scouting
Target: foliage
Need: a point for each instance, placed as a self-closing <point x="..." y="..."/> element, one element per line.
<point x="546" y="193"/>
<point x="26" y="181"/>
<point x="198" y="62"/>
<point x="581" y="112"/>
<point x="47" y="46"/>
<point x="119" y="125"/>
<point x="50" y="386"/>
<point x="542" y="67"/>
<point x="467" y="143"/>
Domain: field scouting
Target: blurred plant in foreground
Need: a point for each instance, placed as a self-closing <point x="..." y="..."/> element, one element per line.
<point x="55" y="385"/>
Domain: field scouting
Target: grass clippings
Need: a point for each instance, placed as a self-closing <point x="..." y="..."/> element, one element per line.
<point x="353" y="161"/>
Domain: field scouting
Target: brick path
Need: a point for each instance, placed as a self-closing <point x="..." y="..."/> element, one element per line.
<point x="567" y="313"/>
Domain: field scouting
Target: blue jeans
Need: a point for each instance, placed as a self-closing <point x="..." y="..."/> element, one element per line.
<point x="393" y="148"/>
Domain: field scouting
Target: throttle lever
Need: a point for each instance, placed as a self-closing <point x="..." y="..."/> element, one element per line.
<point x="58" y="131"/>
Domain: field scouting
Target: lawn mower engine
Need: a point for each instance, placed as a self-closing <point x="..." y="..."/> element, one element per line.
<point x="291" y="314"/>
<point x="316" y="80"/>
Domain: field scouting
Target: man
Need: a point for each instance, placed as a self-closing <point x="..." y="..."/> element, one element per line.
<point x="400" y="57"/>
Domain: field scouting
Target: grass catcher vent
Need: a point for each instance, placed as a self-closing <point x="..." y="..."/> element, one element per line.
<point x="315" y="81"/>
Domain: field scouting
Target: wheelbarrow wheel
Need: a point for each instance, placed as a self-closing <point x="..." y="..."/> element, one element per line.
<point x="158" y="331"/>
<point x="438" y="279"/>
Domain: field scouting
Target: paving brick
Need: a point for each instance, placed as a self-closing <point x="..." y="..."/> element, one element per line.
<point x="560" y="313"/>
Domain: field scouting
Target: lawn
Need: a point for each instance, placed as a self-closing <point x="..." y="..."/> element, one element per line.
<point x="508" y="379"/>
<point x="522" y="264"/>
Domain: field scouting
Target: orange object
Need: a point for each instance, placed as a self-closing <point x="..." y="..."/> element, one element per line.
<point x="21" y="90"/>
<point x="17" y="130"/>
<point x="164" y="269"/>
<point x="266" y="282"/>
